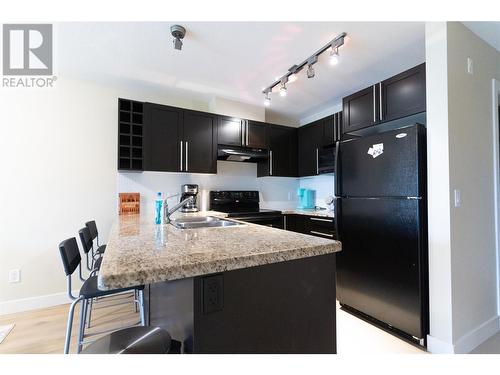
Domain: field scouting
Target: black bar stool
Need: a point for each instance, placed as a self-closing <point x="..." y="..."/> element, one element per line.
<point x="87" y="244"/>
<point x="95" y="236"/>
<point x="86" y="240"/>
<point x="70" y="255"/>
<point x="133" y="340"/>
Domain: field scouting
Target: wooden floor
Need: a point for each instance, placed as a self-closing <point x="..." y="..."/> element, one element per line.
<point x="43" y="331"/>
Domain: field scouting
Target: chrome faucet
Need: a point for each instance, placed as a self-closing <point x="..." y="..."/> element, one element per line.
<point x="167" y="213"/>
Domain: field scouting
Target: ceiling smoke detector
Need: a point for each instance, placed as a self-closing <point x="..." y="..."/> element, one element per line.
<point x="178" y="32"/>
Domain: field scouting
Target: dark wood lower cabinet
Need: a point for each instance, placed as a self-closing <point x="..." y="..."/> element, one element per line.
<point x="285" y="307"/>
<point x="318" y="226"/>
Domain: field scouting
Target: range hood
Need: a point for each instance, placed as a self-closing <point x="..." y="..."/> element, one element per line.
<point x="242" y="154"/>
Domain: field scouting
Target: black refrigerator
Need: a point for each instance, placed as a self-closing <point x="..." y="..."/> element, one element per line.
<point x="381" y="218"/>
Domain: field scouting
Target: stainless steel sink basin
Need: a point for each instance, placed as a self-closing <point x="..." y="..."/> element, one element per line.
<point x="203" y="222"/>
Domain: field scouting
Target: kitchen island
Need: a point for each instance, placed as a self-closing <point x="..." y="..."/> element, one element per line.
<point x="240" y="289"/>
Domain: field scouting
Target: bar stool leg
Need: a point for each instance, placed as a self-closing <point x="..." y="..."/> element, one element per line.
<point x="136" y="297"/>
<point x="70" y="324"/>
<point x="81" y="331"/>
<point x="141" y="307"/>
<point x="90" y="312"/>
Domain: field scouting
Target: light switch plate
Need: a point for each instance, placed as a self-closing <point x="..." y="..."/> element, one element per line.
<point x="15" y="275"/>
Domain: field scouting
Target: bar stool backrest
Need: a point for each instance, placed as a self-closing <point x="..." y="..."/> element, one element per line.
<point x="92" y="227"/>
<point x="70" y="255"/>
<point x="86" y="239"/>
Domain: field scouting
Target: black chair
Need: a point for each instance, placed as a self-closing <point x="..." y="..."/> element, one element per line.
<point x="87" y="244"/>
<point x="71" y="259"/>
<point x="100" y="249"/>
<point x="95" y="266"/>
<point x="133" y="340"/>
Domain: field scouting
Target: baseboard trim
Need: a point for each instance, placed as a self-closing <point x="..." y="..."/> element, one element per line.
<point x="467" y="342"/>
<point x="437" y="346"/>
<point x="477" y="336"/>
<point x="34" y="303"/>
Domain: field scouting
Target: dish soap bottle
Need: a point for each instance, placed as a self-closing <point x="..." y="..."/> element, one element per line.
<point x="158" y="208"/>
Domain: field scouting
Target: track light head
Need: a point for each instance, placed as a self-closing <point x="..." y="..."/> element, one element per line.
<point x="267" y="99"/>
<point x="310" y="71"/>
<point x="283" y="90"/>
<point x="334" y="56"/>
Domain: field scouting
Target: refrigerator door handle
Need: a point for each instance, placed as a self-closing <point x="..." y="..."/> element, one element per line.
<point x="336" y="211"/>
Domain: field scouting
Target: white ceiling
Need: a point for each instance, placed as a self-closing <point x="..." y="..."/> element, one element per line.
<point x="236" y="60"/>
<point x="488" y="31"/>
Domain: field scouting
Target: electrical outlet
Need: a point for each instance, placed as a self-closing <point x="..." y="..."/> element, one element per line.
<point x="213" y="293"/>
<point x="470" y="66"/>
<point x="15" y="275"/>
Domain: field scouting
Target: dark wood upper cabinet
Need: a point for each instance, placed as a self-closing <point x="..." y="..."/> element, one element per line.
<point x="360" y="109"/>
<point x="162" y="138"/>
<point x="403" y="94"/>
<point x="178" y="140"/>
<point x="130" y="135"/>
<point x="329" y="134"/>
<point x="230" y="131"/>
<point x="255" y="134"/>
<point x="200" y="142"/>
<point x="282" y="149"/>
<point x="310" y="141"/>
<point x="399" y="96"/>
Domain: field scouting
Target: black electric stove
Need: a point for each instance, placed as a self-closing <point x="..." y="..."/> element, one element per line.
<point x="244" y="206"/>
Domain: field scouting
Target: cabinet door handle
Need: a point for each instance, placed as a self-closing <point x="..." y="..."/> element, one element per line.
<point x="186" y="156"/>
<point x="247" y="131"/>
<point x="339" y="126"/>
<point x="319" y="219"/>
<point x="374" y="105"/>
<point x="334" y="127"/>
<point x="380" y="101"/>
<point x="181" y="156"/>
<point x="321" y="234"/>
<point x="284" y="222"/>
<point x="270" y="162"/>
<point x="242" y="132"/>
<point x="317" y="161"/>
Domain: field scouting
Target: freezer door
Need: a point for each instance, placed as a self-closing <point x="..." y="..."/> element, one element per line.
<point x="381" y="266"/>
<point x="389" y="164"/>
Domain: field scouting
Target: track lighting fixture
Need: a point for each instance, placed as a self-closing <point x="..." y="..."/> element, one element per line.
<point x="291" y="75"/>
<point x="267" y="99"/>
<point x="310" y="71"/>
<point x="283" y="89"/>
<point x="334" y="56"/>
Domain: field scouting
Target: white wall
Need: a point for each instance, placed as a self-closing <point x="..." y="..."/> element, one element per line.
<point x="229" y="107"/>
<point x="337" y="107"/>
<point x="276" y="192"/>
<point x="463" y="281"/>
<point x="470" y="104"/>
<point x="438" y="197"/>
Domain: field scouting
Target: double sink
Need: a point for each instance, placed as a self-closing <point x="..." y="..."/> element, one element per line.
<point x="203" y="222"/>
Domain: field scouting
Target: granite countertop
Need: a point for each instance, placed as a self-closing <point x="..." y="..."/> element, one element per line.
<point x="139" y="252"/>
<point x="309" y="212"/>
